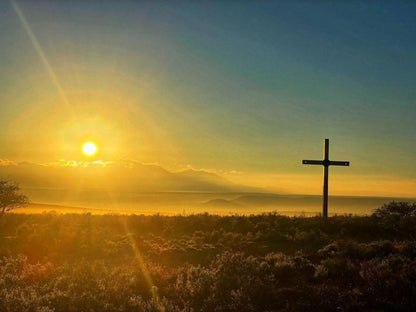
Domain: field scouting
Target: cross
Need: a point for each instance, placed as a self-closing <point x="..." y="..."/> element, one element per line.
<point x="326" y="163"/>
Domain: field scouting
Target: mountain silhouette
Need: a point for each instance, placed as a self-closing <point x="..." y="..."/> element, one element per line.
<point x="129" y="176"/>
<point x="221" y="203"/>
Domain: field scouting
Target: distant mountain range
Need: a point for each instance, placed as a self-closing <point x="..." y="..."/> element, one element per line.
<point x="129" y="176"/>
<point x="221" y="203"/>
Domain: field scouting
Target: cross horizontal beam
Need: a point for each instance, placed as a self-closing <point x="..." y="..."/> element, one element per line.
<point x="312" y="162"/>
<point x="339" y="163"/>
<point x="328" y="162"/>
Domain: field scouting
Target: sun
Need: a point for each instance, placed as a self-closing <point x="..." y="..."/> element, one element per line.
<point x="89" y="148"/>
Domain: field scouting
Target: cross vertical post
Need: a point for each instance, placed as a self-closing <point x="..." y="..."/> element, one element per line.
<point x="326" y="169"/>
<point x="325" y="163"/>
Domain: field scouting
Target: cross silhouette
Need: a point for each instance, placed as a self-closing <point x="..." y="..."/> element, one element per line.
<point x="326" y="163"/>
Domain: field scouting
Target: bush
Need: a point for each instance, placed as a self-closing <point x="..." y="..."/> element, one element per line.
<point x="397" y="209"/>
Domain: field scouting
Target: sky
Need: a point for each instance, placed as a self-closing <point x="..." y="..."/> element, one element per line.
<point x="245" y="89"/>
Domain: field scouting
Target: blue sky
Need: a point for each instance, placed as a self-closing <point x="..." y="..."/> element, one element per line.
<point x="247" y="86"/>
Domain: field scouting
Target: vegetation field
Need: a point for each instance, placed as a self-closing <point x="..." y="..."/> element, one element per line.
<point x="267" y="262"/>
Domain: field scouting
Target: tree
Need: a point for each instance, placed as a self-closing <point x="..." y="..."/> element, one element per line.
<point x="10" y="196"/>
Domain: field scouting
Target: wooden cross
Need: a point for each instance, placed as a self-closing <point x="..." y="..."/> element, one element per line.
<point x="326" y="163"/>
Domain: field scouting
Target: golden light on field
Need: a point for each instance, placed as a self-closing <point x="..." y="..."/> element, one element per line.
<point x="89" y="148"/>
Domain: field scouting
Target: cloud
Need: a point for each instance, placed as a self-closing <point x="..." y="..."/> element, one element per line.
<point x="6" y="162"/>
<point x="74" y="163"/>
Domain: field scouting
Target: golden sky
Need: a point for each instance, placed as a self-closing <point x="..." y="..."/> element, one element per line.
<point x="240" y="90"/>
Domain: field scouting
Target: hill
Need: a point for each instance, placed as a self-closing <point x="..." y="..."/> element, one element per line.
<point x="221" y="203"/>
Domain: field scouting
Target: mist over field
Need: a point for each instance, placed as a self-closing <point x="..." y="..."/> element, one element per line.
<point x="173" y="203"/>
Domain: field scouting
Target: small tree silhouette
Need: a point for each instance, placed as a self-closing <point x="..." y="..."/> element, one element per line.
<point x="10" y="196"/>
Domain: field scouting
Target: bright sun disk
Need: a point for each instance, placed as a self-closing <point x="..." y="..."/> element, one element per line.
<point x="89" y="148"/>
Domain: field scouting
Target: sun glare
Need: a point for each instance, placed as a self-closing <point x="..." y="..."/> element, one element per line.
<point x="89" y="148"/>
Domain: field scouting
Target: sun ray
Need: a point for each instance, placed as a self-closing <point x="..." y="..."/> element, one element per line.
<point x="137" y="254"/>
<point x="42" y="55"/>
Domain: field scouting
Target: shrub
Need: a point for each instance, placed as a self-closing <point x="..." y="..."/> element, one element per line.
<point x="397" y="209"/>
